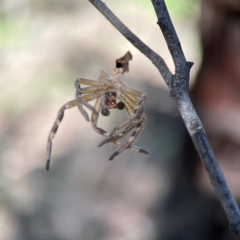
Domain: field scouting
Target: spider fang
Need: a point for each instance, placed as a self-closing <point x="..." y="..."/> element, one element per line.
<point x="110" y="100"/>
<point x="109" y="92"/>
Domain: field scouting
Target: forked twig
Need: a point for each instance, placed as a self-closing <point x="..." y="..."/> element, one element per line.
<point x="178" y="84"/>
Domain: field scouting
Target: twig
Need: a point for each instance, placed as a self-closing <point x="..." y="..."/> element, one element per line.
<point x="142" y="47"/>
<point x="178" y="84"/>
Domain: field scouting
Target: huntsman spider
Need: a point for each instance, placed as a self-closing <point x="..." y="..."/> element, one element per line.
<point x="109" y="92"/>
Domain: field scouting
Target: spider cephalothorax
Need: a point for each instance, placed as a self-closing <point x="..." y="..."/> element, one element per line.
<point x="109" y="92"/>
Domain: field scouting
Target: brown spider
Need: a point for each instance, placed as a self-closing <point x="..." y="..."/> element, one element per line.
<point x="109" y="92"/>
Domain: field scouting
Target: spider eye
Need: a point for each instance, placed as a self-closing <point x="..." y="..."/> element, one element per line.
<point x="105" y="112"/>
<point x="120" y="105"/>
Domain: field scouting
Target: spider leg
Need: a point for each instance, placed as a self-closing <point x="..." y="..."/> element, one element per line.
<point x="139" y="150"/>
<point x="129" y="92"/>
<point x="134" y="148"/>
<point x="119" y="144"/>
<point x="94" y="120"/>
<point x="135" y="93"/>
<point x="95" y="116"/>
<point x="132" y="138"/>
<point x="89" y="91"/>
<point x="54" y="129"/>
<point x="122" y="134"/>
<point x="116" y="137"/>
<point x="130" y="101"/>
<point x="86" y="98"/>
<point x="98" y="105"/>
<point x="93" y="83"/>
<point x="134" y="103"/>
<point x="134" y="119"/>
<point x="81" y="102"/>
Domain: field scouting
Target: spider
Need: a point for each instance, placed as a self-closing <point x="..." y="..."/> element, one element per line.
<point x="109" y="92"/>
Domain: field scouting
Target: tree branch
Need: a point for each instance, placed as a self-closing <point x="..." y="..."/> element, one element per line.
<point x="142" y="47"/>
<point x="179" y="92"/>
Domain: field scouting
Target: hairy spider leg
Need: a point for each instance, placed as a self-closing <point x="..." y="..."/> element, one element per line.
<point x="130" y="99"/>
<point x="54" y="129"/>
<point x="133" y="148"/>
<point x="120" y="135"/>
<point x="134" y="93"/>
<point x="134" y="113"/>
<point x="91" y="91"/>
<point x="94" y="118"/>
<point x="131" y="104"/>
<point x="71" y="104"/>
<point x="132" y="138"/>
<point x="84" y="99"/>
<point x="135" y="108"/>
<point x="94" y="90"/>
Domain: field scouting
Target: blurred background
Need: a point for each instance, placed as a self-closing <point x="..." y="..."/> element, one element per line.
<point x="44" y="46"/>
